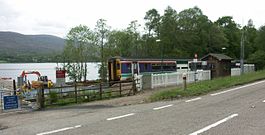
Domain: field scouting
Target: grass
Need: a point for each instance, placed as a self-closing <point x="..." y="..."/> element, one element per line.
<point x="204" y="87"/>
<point x="54" y="100"/>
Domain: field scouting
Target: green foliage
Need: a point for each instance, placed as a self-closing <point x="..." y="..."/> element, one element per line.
<point x="53" y="97"/>
<point x="102" y="32"/>
<point x="258" y="58"/>
<point x="79" y="48"/>
<point x="205" y="87"/>
<point x="260" y="40"/>
<point x="181" y="35"/>
<point x="232" y="34"/>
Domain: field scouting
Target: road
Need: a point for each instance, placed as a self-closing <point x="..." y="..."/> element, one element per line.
<point x="238" y="110"/>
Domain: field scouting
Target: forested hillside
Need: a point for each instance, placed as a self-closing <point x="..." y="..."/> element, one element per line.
<point x="15" y="47"/>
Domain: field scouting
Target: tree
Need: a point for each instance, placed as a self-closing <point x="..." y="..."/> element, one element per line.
<point x="79" y="42"/>
<point x="260" y="39"/>
<point x="152" y="18"/>
<point x="152" y="24"/>
<point x="250" y="36"/>
<point x="233" y="35"/>
<point x="134" y="38"/>
<point x="168" y="33"/>
<point x="102" y="31"/>
<point x="258" y="57"/>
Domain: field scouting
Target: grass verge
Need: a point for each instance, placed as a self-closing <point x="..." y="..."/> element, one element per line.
<point x="204" y="87"/>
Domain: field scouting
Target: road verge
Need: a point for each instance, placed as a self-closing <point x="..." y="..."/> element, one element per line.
<point x="204" y="87"/>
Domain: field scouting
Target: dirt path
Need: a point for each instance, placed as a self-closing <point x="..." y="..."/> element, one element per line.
<point x="139" y="98"/>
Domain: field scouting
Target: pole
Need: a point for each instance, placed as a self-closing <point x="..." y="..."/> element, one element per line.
<point x="75" y="92"/>
<point x="120" y="89"/>
<point x="14" y="87"/>
<point x="100" y="91"/>
<point x="242" y="54"/>
<point x="102" y="66"/>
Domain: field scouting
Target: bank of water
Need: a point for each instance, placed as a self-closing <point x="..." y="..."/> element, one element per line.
<point x="13" y="70"/>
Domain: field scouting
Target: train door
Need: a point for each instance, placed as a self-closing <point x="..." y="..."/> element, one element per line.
<point x="114" y="70"/>
<point x="135" y="68"/>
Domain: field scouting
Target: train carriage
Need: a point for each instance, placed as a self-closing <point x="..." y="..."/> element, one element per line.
<point x="123" y="69"/>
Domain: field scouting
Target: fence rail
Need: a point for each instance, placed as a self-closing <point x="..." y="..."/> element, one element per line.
<point x="176" y="78"/>
<point x="247" y="68"/>
<point x="78" y="94"/>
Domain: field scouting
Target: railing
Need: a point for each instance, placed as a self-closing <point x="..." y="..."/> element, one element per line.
<point x="176" y="78"/>
<point x="80" y="93"/>
<point x="247" y="68"/>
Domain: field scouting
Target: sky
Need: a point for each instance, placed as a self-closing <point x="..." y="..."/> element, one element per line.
<point x="57" y="17"/>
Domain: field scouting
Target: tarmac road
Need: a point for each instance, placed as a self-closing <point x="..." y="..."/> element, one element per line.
<point x="238" y="110"/>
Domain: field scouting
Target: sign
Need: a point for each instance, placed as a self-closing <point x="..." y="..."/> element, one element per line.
<point x="11" y="102"/>
<point x="60" y="73"/>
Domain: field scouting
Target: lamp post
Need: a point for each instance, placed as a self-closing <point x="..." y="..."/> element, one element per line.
<point x="161" y="55"/>
<point x="223" y="49"/>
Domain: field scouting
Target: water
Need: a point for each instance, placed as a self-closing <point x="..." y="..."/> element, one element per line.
<point x="13" y="70"/>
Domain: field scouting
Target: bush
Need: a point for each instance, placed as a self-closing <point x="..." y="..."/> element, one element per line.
<point x="53" y="97"/>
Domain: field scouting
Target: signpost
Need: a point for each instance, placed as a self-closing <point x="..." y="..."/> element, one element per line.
<point x="11" y="103"/>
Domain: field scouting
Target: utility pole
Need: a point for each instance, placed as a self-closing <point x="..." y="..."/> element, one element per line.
<point x="161" y="55"/>
<point x="242" y="51"/>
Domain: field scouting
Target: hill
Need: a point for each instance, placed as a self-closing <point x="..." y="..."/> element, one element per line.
<point x="15" y="45"/>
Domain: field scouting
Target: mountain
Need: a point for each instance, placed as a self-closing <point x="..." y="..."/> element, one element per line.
<point x="16" y="45"/>
<point x="11" y="42"/>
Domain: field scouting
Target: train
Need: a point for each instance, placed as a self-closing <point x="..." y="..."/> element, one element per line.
<point x="124" y="68"/>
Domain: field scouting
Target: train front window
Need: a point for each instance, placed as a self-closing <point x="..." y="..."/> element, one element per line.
<point x="126" y="68"/>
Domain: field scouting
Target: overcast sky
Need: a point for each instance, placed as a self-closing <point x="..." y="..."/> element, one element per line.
<point x="56" y="17"/>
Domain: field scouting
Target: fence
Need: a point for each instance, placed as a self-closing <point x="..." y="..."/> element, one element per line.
<point x="169" y="79"/>
<point x="80" y="93"/>
<point x="247" y="68"/>
<point x="139" y="82"/>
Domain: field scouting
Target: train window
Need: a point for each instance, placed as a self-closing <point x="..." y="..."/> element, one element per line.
<point x="156" y="67"/>
<point x="145" y="67"/>
<point x="126" y="68"/>
<point x="129" y="66"/>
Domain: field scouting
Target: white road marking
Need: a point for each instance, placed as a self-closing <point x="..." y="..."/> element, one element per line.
<point x="214" y="125"/>
<point x="59" y="130"/>
<point x="237" y="88"/>
<point x="194" y="99"/>
<point x="263" y="101"/>
<point x="161" y="107"/>
<point x="122" y="116"/>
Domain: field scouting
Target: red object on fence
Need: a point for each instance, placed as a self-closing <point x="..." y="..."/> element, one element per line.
<point x="60" y="73"/>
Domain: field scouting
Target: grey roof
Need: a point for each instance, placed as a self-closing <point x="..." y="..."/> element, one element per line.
<point x="218" y="56"/>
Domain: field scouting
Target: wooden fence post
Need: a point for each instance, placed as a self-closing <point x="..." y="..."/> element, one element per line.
<point x="75" y="92"/>
<point x="41" y="100"/>
<point x="14" y="87"/>
<point x="134" y="86"/>
<point x="100" y="90"/>
<point x="120" y="89"/>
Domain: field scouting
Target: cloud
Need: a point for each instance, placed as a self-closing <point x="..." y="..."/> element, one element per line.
<point x="7" y="16"/>
<point x="58" y="16"/>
